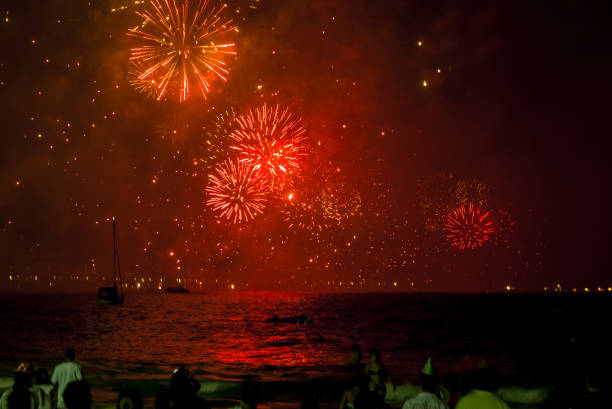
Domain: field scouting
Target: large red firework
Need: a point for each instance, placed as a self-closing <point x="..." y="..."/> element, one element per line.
<point x="236" y="191"/>
<point x="272" y="140"/>
<point x="469" y="227"/>
<point x="181" y="44"/>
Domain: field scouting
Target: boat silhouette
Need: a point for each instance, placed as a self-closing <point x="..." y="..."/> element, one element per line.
<point x="113" y="295"/>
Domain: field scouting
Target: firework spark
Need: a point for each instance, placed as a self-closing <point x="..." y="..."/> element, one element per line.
<point x="469" y="227"/>
<point x="179" y="47"/>
<point x="441" y="193"/>
<point x="236" y="191"/>
<point x="472" y="191"/>
<point x="216" y="137"/>
<point x="504" y="228"/>
<point x="272" y="140"/>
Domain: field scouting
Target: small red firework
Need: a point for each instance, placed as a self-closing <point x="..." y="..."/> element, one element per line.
<point x="180" y="45"/>
<point x="272" y="140"/>
<point x="469" y="227"/>
<point x="236" y="191"/>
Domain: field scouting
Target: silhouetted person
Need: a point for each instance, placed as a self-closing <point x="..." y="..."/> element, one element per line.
<point x="348" y="398"/>
<point x="65" y="373"/>
<point x="377" y="373"/>
<point x="41" y="377"/>
<point x="583" y="377"/>
<point x="182" y="393"/>
<point x="355" y="355"/>
<point x="77" y="395"/>
<point x="250" y="395"/>
<point x="42" y="388"/>
<point x="367" y="399"/>
<point x="451" y="381"/>
<point x="129" y="399"/>
<point x="309" y="402"/>
<point x="19" y="394"/>
<point x="183" y="383"/>
<point x="20" y="398"/>
<point x="430" y="397"/>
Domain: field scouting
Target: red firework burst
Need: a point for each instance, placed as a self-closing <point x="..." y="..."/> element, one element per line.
<point x="272" y="140"/>
<point x="469" y="227"/>
<point x="181" y="45"/>
<point x="236" y="191"/>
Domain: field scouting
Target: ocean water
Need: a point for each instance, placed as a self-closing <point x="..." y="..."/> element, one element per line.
<point x="224" y="336"/>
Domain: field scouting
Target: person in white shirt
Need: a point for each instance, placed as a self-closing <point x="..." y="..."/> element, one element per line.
<point x="430" y="397"/>
<point x="64" y="373"/>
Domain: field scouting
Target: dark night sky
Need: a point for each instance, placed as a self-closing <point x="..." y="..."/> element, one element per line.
<point x="520" y="105"/>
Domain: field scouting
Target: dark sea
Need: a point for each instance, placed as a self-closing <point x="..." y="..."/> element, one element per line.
<point x="223" y="337"/>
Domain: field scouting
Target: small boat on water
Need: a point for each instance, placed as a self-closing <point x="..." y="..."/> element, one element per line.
<point x="113" y="295"/>
<point x="177" y="290"/>
<point x="296" y="319"/>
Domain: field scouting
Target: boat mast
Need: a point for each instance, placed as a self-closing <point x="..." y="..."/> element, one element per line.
<point x="116" y="264"/>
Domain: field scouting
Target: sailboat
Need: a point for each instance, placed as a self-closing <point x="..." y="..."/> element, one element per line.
<point x="114" y="294"/>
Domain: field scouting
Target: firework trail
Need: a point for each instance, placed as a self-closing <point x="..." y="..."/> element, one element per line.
<point x="181" y="44"/>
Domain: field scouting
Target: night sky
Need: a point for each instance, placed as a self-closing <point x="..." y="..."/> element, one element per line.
<point x="411" y="109"/>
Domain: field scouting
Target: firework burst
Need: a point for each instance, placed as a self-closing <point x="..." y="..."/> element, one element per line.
<point x="341" y="203"/>
<point x="236" y="191"/>
<point x="272" y="140"/>
<point x="320" y="198"/>
<point x="469" y="227"/>
<point x="304" y="212"/>
<point x="181" y="45"/>
<point x="175" y="129"/>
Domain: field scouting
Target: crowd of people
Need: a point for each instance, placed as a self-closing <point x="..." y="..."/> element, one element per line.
<point x="33" y="389"/>
<point x="370" y="388"/>
<point x="67" y="388"/>
<point x="373" y="384"/>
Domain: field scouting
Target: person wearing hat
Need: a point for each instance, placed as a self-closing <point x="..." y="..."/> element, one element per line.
<point x="19" y="395"/>
<point x="429" y="397"/>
